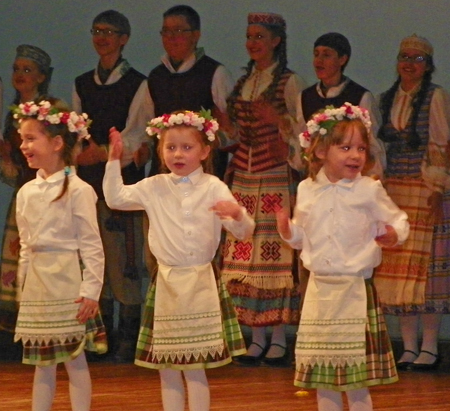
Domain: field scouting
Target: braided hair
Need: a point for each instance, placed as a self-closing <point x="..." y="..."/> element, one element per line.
<point x="280" y="54"/>
<point x="387" y="101"/>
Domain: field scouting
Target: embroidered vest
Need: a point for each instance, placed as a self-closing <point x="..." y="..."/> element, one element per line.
<point x="261" y="146"/>
<point x="402" y="160"/>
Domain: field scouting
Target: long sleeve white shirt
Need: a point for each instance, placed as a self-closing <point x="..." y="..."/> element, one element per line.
<point x="69" y="223"/>
<point x="335" y="224"/>
<point x="183" y="230"/>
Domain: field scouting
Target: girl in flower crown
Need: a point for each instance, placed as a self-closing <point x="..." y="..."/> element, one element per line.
<point x="58" y="314"/>
<point x="189" y="323"/>
<point x="341" y="221"/>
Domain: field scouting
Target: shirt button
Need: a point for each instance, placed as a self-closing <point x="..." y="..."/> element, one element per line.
<point x="188" y="213"/>
<point x="186" y="194"/>
<point x="185" y="179"/>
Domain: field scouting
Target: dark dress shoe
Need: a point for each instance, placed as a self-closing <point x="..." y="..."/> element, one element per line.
<point x="426" y="367"/>
<point x="403" y="365"/>
<point x="251" y="360"/>
<point x="282" y="361"/>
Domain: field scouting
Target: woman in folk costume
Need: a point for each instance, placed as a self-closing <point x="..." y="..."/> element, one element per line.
<point x="341" y="221"/>
<point x="189" y="323"/>
<point x="259" y="272"/>
<point x="414" y="281"/>
<point x="31" y="79"/>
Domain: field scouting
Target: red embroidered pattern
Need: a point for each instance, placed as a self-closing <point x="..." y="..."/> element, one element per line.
<point x="242" y="251"/>
<point x="271" y="202"/>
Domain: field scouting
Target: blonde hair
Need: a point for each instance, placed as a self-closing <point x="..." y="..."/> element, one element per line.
<point x="207" y="163"/>
<point x="334" y="137"/>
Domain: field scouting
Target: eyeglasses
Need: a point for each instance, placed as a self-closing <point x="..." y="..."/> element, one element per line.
<point x="174" y="33"/>
<point x="404" y="58"/>
<point x="104" y="32"/>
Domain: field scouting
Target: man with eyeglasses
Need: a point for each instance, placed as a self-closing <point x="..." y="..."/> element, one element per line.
<point x="105" y="94"/>
<point x="186" y="79"/>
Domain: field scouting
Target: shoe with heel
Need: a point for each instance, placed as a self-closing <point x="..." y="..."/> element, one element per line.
<point x="403" y="365"/>
<point x="282" y="361"/>
<point x="251" y="360"/>
<point x="424" y="366"/>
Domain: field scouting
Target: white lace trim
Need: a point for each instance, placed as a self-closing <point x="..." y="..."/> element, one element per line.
<point x="333" y="360"/>
<point x="182" y="355"/>
<point x="47" y="339"/>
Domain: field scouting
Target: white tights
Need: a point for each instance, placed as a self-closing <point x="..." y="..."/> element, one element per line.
<point x="358" y="400"/>
<point x="173" y="394"/>
<point x="80" y="388"/>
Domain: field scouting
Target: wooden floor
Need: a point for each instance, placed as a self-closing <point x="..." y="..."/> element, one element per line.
<point x="131" y="388"/>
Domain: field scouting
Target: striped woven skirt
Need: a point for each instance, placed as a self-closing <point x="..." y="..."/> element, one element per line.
<point x="181" y="341"/>
<point x="414" y="278"/>
<point x="379" y="367"/>
<point x="9" y="265"/>
<point x="261" y="272"/>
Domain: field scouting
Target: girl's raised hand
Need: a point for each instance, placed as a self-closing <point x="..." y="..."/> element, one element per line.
<point x="389" y="239"/>
<point x="88" y="309"/>
<point x="282" y="215"/>
<point x="115" y="144"/>
<point x="227" y="209"/>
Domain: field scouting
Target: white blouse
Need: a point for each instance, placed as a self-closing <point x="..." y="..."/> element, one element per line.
<point x="335" y="224"/>
<point x="183" y="230"/>
<point x="68" y="224"/>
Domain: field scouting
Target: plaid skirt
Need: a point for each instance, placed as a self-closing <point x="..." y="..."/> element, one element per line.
<point x="414" y="278"/>
<point x="233" y="341"/>
<point x="54" y="352"/>
<point x="378" y="369"/>
<point x="261" y="271"/>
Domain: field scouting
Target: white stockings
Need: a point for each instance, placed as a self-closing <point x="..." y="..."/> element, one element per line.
<point x="173" y="392"/>
<point x="358" y="400"/>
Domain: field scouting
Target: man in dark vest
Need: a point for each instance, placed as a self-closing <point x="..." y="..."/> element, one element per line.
<point x="187" y="79"/>
<point x="331" y="55"/>
<point x="105" y="94"/>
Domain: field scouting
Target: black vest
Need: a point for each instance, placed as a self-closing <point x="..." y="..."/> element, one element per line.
<point x="313" y="102"/>
<point x="107" y="106"/>
<point x="190" y="90"/>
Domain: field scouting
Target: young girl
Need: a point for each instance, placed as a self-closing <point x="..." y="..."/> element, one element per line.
<point x="340" y="221"/>
<point x="189" y="323"/>
<point x="56" y="217"/>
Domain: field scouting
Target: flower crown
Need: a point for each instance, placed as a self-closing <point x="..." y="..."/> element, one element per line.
<point x="202" y="120"/>
<point x="45" y="112"/>
<point x="322" y="123"/>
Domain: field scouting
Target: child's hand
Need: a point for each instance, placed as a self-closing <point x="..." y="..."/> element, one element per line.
<point x="92" y="154"/>
<point x="389" y="239"/>
<point x="115" y="144"/>
<point x="88" y="309"/>
<point x="227" y="209"/>
<point x="283" y="223"/>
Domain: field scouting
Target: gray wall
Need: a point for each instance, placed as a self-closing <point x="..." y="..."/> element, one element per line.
<point x="374" y="28"/>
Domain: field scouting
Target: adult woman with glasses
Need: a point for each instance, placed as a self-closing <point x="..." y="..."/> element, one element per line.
<point x="413" y="280"/>
<point x="31" y="74"/>
<point x="259" y="272"/>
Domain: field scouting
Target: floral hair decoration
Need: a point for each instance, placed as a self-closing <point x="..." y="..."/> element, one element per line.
<point x="323" y="122"/>
<point x="48" y="114"/>
<point x="203" y="121"/>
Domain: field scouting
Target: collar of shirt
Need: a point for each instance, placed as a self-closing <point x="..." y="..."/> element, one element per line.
<point x="54" y="178"/>
<point x="411" y="93"/>
<point x="323" y="182"/>
<point x="187" y="64"/>
<point x="192" y="178"/>
<point x="118" y="72"/>
<point x="333" y="91"/>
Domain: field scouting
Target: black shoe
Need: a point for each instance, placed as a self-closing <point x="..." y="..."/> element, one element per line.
<point x="426" y="367"/>
<point x="250" y="359"/>
<point x="282" y="361"/>
<point x="403" y="365"/>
